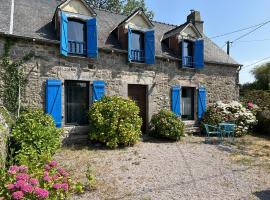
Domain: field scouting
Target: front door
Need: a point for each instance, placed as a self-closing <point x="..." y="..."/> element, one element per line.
<point x="138" y="94"/>
<point x="76" y="102"/>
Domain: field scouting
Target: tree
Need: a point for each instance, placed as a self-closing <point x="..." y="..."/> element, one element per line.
<point x="122" y="6"/>
<point x="131" y="5"/>
<point x="262" y="76"/>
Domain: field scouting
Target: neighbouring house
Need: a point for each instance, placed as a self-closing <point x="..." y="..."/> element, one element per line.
<point x="82" y="53"/>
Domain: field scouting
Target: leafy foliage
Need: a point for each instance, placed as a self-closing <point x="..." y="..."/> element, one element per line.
<point x="166" y="124"/>
<point x="262" y="99"/>
<point x="13" y="79"/>
<point x="122" y="6"/>
<point x="34" y="137"/>
<point x="115" y="121"/>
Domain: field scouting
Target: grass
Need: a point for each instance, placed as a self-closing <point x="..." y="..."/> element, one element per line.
<point x="252" y="151"/>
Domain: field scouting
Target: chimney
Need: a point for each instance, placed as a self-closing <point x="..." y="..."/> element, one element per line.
<point x="195" y="18"/>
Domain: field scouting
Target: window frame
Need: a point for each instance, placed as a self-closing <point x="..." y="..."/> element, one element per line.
<point x="141" y="54"/>
<point x="189" y="63"/>
<point x="84" y="53"/>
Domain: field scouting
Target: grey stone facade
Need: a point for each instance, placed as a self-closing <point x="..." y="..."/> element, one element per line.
<point x="220" y="81"/>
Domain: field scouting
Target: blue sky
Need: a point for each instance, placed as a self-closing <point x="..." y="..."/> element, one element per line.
<point x="221" y="17"/>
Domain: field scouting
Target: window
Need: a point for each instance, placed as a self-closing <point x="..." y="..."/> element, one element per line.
<point x="76" y="102"/>
<point x="187" y="103"/>
<point x="76" y="37"/>
<point x="137" y="46"/>
<point x="188" y="53"/>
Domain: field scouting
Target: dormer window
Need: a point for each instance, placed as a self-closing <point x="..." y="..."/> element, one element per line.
<point x="77" y="27"/>
<point x="188" y="53"/>
<point x="137" y="46"/>
<point x="76" y="37"/>
<point x="192" y="53"/>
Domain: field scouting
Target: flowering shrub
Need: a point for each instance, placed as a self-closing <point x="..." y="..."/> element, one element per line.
<point x="167" y="125"/>
<point x="34" y="138"/>
<point x="52" y="182"/>
<point x="235" y="112"/>
<point x="115" y="121"/>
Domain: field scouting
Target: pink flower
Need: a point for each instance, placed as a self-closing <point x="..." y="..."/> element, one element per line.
<point x="22" y="176"/>
<point x="27" y="188"/>
<point x="53" y="164"/>
<point x="46" y="173"/>
<point x="41" y="193"/>
<point x="62" y="172"/>
<point x="33" y="181"/>
<point x="56" y="176"/>
<point x="10" y="186"/>
<point x="20" y="184"/>
<point x="17" y="195"/>
<point x="13" y="169"/>
<point x="57" y="186"/>
<point x="47" y="167"/>
<point x="23" y="169"/>
<point x="64" y="186"/>
<point x="47" y="178"/>
<point x="250" y="105"/>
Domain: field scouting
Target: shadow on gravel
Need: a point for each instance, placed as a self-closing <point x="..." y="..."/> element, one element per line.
<point x="263" y="195"/>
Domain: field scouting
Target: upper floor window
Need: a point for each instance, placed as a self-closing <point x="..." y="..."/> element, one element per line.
<point x="137" y="46"/>
<point x="141" y="46"/>
<point x="76" y="37"/>
<point x="192" y="54"/>
<point x="188" y="53"/>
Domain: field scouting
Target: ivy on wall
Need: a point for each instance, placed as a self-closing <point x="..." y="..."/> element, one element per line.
<point x="13" y="79"/>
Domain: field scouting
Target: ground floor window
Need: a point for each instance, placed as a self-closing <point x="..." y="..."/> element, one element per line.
<point x="187" y="101"/>
<point x="76" y="102"/>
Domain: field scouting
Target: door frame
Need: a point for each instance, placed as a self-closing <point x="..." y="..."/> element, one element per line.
<point x="65" y="124"/>
<point x="146" y="103"/>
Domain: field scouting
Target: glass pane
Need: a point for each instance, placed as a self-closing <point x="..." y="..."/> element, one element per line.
<point x="77" y="102"/>
<point x="137" y="42"/>
<point x="187" y="104"/>
<point x="76" y="31"/>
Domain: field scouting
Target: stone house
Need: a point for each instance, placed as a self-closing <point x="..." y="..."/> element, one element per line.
<point x="82" y="53"/>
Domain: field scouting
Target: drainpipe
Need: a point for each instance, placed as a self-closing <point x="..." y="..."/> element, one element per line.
<point x="11" y="17"/>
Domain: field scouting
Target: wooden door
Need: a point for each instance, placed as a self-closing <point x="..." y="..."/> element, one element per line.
<point x="138" y="94"/>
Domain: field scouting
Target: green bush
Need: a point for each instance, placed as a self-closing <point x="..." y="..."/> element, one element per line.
<point x="115" y="121"/>
<point x="263" y="118"/>
<point x="34" y="138"/>
<point x="166" y="124"/>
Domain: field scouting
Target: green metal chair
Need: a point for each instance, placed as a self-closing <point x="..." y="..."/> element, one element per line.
<point x="212" y="130"/>
<point x="227" y="129"/>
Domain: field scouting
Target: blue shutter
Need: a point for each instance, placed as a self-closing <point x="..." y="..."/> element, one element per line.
<point x="129" y="44"/>
<point x="201" y="102"/>
<point x="98" y="90"/>
<point x="92" y="39"/>
<point x="64" y="34"/>
<point x="199" y="54"/>
<point x="53" y="105"/>
<point x="176" y="100"/>
<point x="150" y="52"/>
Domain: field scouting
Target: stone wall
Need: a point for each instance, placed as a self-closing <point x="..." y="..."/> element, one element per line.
<point x="112" y="67"/>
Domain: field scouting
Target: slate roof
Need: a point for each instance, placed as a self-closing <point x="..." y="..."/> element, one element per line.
<point x="32" y="19"/>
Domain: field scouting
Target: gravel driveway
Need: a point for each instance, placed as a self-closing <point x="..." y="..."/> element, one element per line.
<point x="185" y="170"/>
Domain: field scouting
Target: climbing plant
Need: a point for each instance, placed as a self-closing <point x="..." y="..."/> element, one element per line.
<point x="12" y="78"/>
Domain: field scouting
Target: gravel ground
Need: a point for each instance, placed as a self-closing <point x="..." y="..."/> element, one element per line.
<point x="189" y="169"/>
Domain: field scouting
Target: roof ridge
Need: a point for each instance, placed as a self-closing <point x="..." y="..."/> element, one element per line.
<point x="109" y="11"/>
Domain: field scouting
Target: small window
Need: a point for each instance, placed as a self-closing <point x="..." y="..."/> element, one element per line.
<point x="187" y="103"/>
<point x="76" y="37"/>
<point x="137" y="46"/>
<point x="188" y="53"/>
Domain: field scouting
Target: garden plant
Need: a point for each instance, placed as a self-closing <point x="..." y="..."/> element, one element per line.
<point x="115" y="121"/>
<point x="166" y="124"/>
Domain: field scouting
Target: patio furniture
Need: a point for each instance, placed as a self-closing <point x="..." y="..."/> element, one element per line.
<point x="227" y="129"/>
<point x="212" y="130"/>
